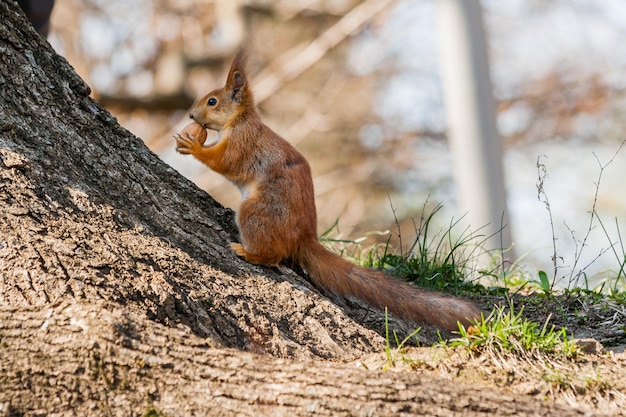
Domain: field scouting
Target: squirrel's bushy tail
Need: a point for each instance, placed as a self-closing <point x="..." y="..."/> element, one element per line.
<point x="335" y="274"/>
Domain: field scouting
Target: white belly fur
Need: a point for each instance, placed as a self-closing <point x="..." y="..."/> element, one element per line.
<point x="246" y="190"/>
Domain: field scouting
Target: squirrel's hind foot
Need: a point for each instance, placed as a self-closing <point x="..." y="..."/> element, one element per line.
<point x="252" y="258"/>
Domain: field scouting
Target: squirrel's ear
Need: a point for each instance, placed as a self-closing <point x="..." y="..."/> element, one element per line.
<point x="238" y="84"/>
<point x="236" y="81"/>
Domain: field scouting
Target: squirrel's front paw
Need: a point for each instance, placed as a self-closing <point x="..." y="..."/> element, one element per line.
<point x="191" y="138"/>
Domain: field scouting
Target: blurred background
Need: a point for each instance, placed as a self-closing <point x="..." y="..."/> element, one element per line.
<point x="356" y="86"/>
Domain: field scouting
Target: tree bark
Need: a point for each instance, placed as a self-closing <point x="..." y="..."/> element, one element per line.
<point x="119" y="295"/>
<point x="94" y="358"/>
<point x="88" y="212"/>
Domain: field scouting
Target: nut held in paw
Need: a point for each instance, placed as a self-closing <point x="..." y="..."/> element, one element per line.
<point x="195" y="131"/>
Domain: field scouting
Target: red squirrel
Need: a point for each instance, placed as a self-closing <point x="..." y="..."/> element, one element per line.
<point x="277" y="218"/>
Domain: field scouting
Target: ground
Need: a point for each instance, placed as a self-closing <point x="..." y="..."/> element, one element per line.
<point x="594" y="380"/>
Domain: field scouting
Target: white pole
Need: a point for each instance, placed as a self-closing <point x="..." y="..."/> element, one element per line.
<point x="470" y="111"/>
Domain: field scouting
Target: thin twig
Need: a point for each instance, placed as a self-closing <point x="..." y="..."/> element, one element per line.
<point x="592" y="214"/>
<point x="542" y="173"/>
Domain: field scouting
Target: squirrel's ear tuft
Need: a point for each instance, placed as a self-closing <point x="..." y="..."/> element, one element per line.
<point x="236" y="81"/>
<point x="239" y="63"/>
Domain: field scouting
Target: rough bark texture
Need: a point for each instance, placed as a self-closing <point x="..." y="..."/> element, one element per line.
<point x="95" y="359"/>
<point x="118" y="295"/>
<point x="90" y="213"/>
<point x="82" y="358"/>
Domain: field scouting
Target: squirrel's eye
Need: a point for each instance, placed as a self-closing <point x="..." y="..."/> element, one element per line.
<point x="212" y="101"/>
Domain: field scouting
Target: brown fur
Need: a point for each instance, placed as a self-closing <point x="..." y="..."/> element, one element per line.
<point x="277" y="219"/>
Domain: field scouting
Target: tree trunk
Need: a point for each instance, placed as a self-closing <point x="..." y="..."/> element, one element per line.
<point x="89" y="213"/>
<point x="93" y="358"/>
<point x="119" y="295"/>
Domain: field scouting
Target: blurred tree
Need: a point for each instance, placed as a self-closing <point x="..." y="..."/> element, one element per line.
<point x="472" y="131"/>
<point x="38" y="12"/>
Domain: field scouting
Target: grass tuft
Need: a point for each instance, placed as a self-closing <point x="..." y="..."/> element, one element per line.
<point x="390" y="352"/>
<point x="506" y="331"/>
<point x="441" y="260"/>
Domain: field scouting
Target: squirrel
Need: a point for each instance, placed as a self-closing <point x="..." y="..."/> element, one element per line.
<point x="277" y="219"/>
